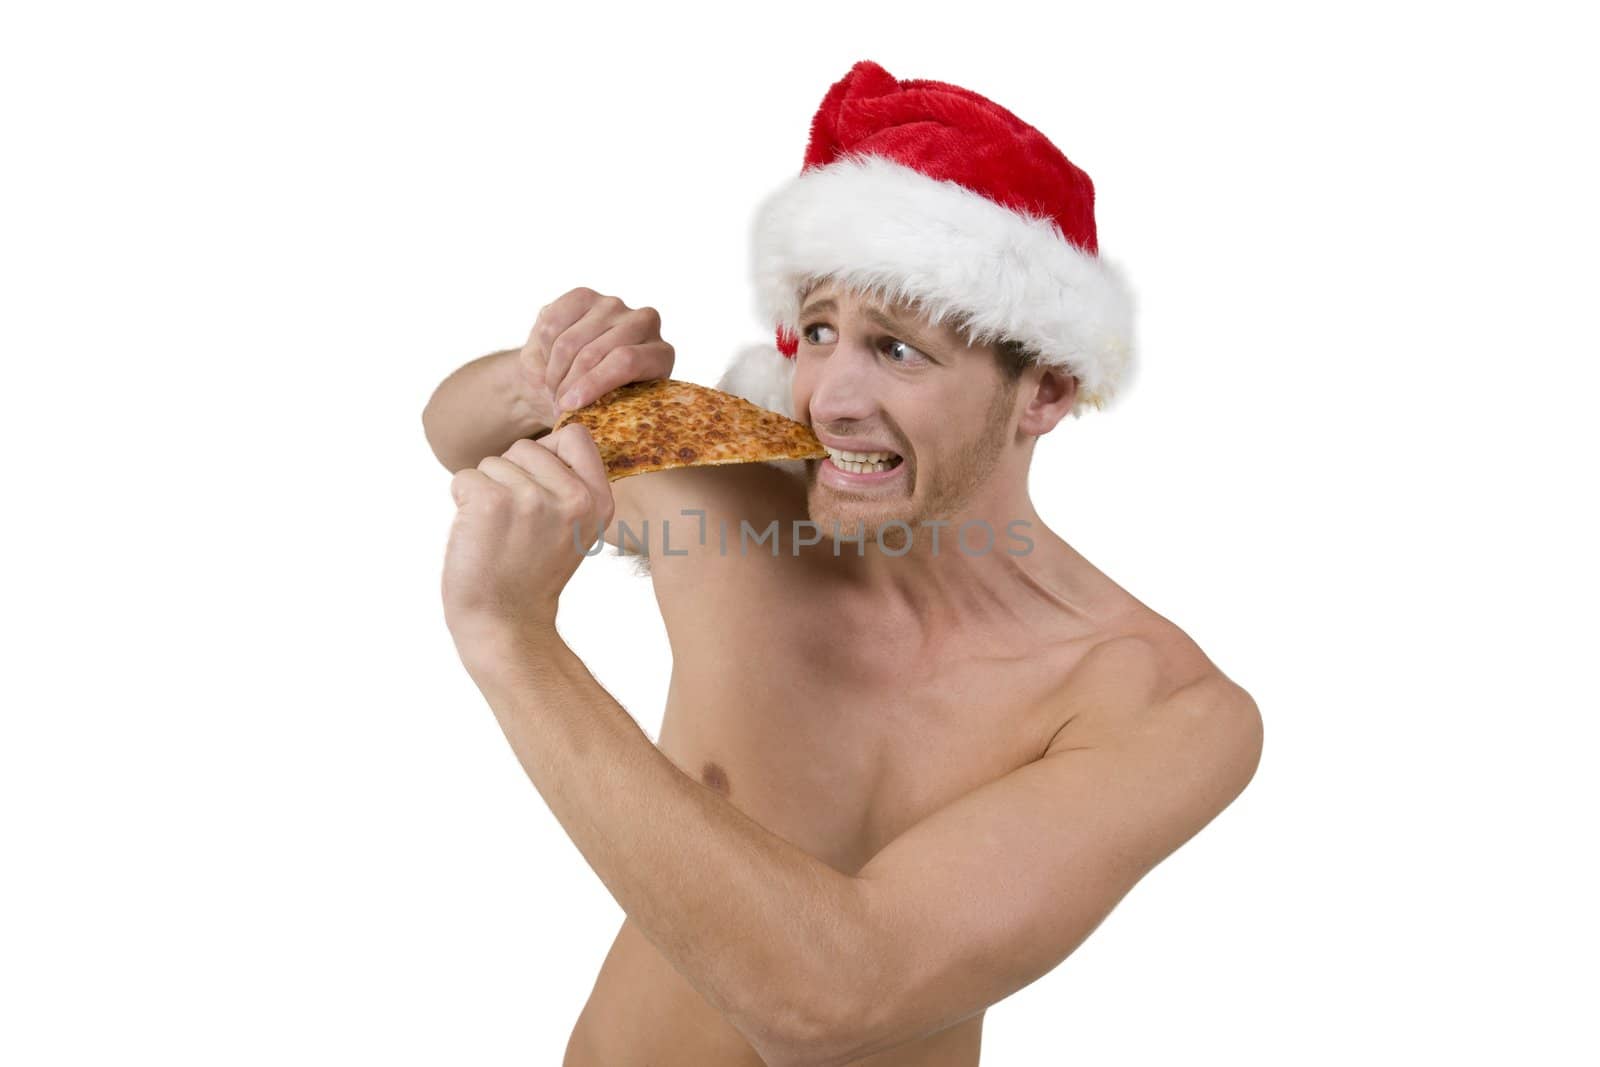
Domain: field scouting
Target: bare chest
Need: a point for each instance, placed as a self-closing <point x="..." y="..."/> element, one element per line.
<point x="839" y="745"/>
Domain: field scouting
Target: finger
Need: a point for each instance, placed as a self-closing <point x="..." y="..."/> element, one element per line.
<point x="556" y="316"/>
<point x="553" y="320"/>
<point x="638" y="327"/>
<point x="567" y="493"/>
<point x="551" y="474"/>
<point x="574" y="446"/>
<point x="591" y="355"/>
<point x="466" y="484"/>
<point x="599" y="318"/>
<point x="509" y="474"/>
<point x="627" y="363"/>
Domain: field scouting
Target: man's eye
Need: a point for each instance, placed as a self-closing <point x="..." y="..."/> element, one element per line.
<point x="910" y="355"/>
<point x="805" y="332"/>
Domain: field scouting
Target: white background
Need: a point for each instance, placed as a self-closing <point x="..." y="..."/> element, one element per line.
<point x="255" y="812"/>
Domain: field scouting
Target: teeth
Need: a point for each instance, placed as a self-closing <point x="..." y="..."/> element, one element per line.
<point x="860" y="457"/>
<point x="860" y="462"/>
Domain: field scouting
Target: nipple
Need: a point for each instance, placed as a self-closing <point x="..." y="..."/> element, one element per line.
<point x="715" y="777"/>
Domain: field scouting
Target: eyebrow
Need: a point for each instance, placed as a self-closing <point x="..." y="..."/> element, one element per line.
<point x="887" y="319"/>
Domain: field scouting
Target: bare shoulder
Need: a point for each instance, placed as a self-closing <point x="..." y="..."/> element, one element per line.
<point x="690" y="526"/>
<point x="1150" y="686"/>
<point x="694" y="500"/>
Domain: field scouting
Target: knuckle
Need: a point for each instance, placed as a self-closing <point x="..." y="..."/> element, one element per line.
<point x="572" y="502"/>
<point x="525" y="498"/>
<point x="610" y="374"/>
<point x="523" y="447"/>
<point x="648" y="361"/>
<point x="650" y="316"/>
<point x="495" y="499"/>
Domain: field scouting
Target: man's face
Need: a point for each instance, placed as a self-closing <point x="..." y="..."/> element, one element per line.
<point x="875" y="378"/>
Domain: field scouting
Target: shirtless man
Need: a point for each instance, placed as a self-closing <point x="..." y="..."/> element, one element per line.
<point x="898" y="778"/>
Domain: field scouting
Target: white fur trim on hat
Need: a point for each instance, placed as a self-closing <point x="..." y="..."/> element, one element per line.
<point x="761" y="375"/>
<point x="877" y="226"/>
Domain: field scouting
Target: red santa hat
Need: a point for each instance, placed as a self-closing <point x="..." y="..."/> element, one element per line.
<point x="926" y="192"/>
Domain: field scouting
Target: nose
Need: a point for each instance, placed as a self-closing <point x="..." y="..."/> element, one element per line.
<point x="841" y="385"/>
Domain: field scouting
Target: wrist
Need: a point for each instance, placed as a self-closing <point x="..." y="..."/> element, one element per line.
<point x="492" y="649"/>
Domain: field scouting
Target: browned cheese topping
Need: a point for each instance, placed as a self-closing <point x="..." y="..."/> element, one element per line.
<point x="656" y="425"/>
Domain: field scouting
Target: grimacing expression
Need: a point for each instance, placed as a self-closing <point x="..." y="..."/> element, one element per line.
<point x="915" y="419"/>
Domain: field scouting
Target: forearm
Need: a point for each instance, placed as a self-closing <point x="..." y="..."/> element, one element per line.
<point x="756" y="924"/>
<point x="480" y="410"/>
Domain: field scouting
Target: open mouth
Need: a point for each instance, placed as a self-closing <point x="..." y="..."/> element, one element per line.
<point x="863" y="462"/>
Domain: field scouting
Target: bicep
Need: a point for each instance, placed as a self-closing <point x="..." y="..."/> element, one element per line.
<point x="995" y="890"/>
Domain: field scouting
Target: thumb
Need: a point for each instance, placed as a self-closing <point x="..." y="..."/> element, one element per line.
<point x="574" y="446"/>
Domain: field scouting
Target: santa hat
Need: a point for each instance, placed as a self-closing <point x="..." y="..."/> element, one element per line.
<point x="925" y="192"/>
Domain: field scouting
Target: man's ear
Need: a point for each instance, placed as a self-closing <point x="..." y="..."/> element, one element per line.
<point x="1051" y="392"/>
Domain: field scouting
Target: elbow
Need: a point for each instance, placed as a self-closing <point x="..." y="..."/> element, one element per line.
<point x="828" y="1013"/>
<point x="829" y="1024"/>
<point x="431" y="434"/>
<point x="811" y="1042"/>
<point x="428" y="434"/>
<point x="874" y="1020"/>
<point x="843" y="1038"/>
<point x="833" y="1049"/>
<point x="794" y="1030"/>
<point x="427" y="427"/>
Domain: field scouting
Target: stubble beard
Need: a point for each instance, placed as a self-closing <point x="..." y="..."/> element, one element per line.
<point x="957" y="477"/>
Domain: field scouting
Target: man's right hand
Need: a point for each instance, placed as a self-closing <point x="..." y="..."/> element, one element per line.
<point x="584" y="345"/>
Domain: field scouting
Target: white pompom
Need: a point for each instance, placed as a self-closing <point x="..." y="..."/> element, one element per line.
<point x="761" y="375"/>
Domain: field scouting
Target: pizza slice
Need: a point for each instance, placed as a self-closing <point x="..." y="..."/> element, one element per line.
<point x="664" y="423"/>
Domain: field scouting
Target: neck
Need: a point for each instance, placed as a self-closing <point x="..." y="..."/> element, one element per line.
<point x="993" y="571"/>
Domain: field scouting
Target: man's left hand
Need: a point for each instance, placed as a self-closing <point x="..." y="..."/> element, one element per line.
<point x="523" y="523"/>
